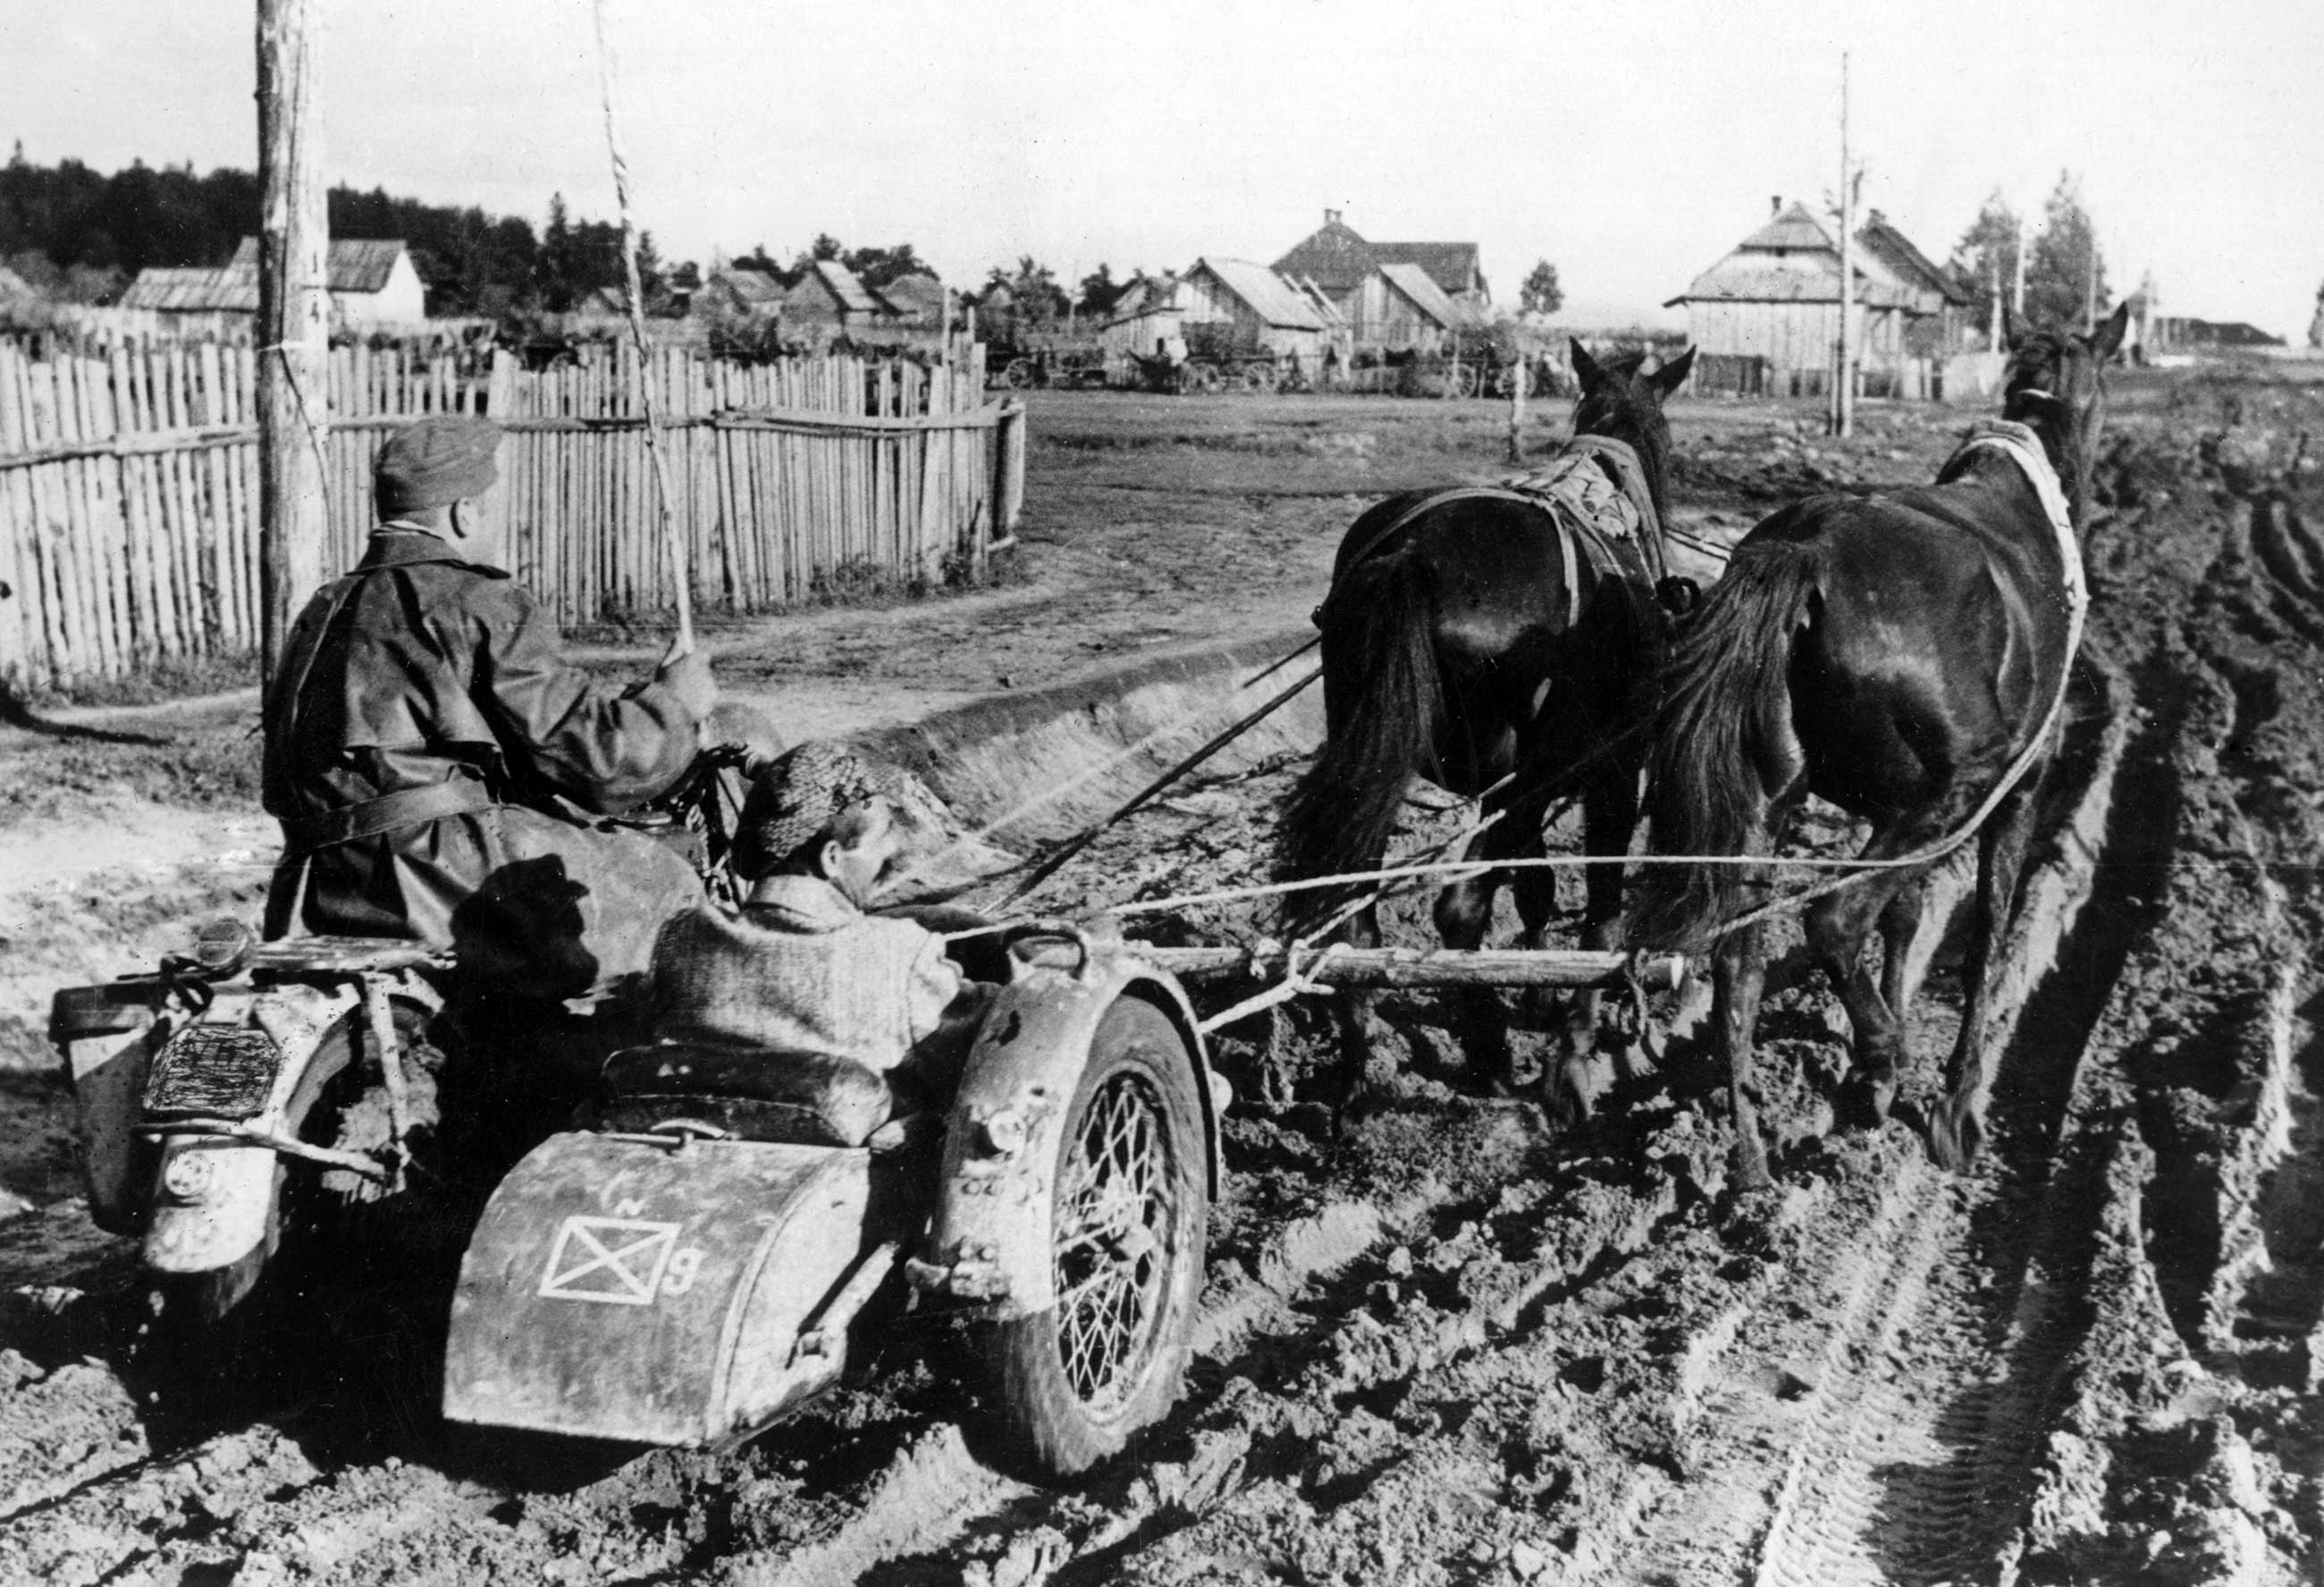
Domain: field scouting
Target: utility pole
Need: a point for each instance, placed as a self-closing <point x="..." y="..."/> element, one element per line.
<point x="2017" y="283"/>
<point x="2089" y="276"/>
<point x="1993" y="332"/>
<point x="293" y="316"/>
<point x="1842" y="419"/>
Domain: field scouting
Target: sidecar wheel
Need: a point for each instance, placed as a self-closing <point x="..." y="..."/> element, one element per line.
<point x="1130" y="1214"/>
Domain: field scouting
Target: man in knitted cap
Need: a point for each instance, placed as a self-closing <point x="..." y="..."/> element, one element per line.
<point x="436" y="764"/>
<point x="803" y="969"/>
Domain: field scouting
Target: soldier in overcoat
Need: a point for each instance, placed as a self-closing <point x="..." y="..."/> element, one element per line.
<point x="441" y="769"/>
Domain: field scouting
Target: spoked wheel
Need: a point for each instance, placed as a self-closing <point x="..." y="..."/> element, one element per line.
<point x="1128" y="1217"/>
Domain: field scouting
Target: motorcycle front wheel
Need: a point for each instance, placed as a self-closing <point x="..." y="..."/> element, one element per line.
<point x="1129" y="1219"/>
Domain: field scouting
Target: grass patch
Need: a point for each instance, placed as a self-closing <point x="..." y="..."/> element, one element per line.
<point x="61" y="777"/>
<point x="175" y="678"/>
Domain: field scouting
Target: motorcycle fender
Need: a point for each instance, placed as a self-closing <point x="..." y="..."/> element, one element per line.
<point x="636" y="1291"/>
<point x="990" y="1237"/>
<point x="109" y="1078"/>
<point x="212" y="1209"/>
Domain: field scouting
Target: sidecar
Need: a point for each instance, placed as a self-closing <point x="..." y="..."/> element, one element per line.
<point x="692" y="1270"/>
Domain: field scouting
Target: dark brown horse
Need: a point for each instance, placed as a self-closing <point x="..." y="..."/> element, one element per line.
<point x="1469" y="635"/>
<point x="1898" y="655"/>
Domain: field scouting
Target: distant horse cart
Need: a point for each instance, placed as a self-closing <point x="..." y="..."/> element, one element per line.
<point x="1069" y="367"/>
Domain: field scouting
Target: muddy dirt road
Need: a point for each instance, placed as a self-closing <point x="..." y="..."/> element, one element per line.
<point x="1456" y="1349"/>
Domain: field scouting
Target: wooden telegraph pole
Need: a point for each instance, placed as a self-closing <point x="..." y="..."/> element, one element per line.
<point x="293" y="316"/>
<point x="1842" y="413"/>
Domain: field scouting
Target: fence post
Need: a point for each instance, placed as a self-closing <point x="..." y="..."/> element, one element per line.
<point x="1519" y="375"/>
<point x="1008" y="493"/>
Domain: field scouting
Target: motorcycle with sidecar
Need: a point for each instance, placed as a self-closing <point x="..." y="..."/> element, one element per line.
<point x="686" y="1269"/>
<point x="689" y="1269"/>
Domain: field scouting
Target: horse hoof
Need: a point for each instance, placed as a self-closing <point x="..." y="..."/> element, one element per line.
<point x="1956" y="1137"/>
<point x="1865" y="1101"/>
<point x="1567" y="1112"/>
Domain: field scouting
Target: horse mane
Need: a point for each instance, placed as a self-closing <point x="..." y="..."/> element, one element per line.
<point x="2051" y="385"/>
<point x="1621" y="408"/>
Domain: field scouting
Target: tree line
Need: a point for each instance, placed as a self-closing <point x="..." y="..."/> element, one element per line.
<point x="2065" y="268"/>
<point x="82" y="235"/>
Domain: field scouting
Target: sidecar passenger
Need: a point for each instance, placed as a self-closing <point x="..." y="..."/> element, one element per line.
<point x="801" y="1016"/>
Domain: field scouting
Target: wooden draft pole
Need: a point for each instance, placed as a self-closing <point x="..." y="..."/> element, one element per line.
<point x="680" y="572"/>
<point x="293" y="319"/>
<point x="1842" y="411"/>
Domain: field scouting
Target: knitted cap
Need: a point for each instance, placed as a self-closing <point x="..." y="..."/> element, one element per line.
<point x="795" y="800"/>
<point x="435" y="461"/>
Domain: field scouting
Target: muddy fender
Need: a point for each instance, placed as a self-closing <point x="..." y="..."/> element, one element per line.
<point x="212" y="1204"/>
<point x="988" y="1241"/>
<point x="108" y="1036"/>
<point x="676" y="1293"/>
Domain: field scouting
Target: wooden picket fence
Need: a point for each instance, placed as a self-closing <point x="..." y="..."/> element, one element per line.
<point x="129" y="484"/>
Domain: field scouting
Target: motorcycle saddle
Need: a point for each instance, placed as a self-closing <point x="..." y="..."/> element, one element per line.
<point x="805" y="1099"/>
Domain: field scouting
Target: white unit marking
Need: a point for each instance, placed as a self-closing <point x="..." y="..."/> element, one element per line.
<point x="617" y="1261"/>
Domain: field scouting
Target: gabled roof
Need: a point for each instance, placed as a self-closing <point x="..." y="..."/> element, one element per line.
<point x="1269" y="296"/>
<point x="751" y="287"/>
<point x="1791" y="228"/>
<point x="197" y="290"/>
<point x="917" y="293"/>
<point x="1734" y="279"/>
<point x="854" y="296"/>
<point x="1144" y="296"/>
<point x="1427" y="296"/>
<point x="1332" y="256"/>
<point x="1909" y="264"/>
<point x="355" y="264"/>
<point x="1453" y="266"/>
<point x="1792" y="258"/>
<point x="1325" y="309"/>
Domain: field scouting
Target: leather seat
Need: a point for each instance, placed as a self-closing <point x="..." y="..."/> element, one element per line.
<point x="803" y="1099"/>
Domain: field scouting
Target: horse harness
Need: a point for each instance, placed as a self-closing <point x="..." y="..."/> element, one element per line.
<point x="2023" y="447"/>
<point x="1594" y="489"/>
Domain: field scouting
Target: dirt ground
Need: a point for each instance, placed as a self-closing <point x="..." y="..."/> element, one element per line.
<point x="1456" y="1347"/>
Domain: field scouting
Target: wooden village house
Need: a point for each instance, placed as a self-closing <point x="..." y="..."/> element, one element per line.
<point x="916" y="300"/>
<point x="1144" y="317"/>
<point x="829" y="301"/>
<point x="1766" y="318"/>
<point x="732" y="292"/>
<point x="1392" y="295"/>
<point x="1238" y="306"/>
<point x="372" y="285"/>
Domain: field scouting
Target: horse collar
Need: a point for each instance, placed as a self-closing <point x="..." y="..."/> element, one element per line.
<point x="2021" y="445"/>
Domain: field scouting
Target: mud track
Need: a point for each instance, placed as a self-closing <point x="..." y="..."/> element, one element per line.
<point x="1457" y="1348"/>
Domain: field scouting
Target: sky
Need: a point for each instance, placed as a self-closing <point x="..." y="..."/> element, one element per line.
<point x="1631" y="142"/>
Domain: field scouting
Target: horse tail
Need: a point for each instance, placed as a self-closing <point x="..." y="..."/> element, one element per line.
<point x="1724" y="738"/>
<point x="1384" y="709"/>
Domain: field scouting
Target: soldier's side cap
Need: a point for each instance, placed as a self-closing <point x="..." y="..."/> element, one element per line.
<point x="796" y="799"/>
<point x="435" y="461"/>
